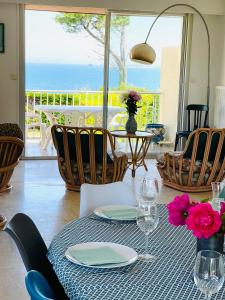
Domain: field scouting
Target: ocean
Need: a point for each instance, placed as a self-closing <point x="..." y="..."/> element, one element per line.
<point x="86" y="77"/>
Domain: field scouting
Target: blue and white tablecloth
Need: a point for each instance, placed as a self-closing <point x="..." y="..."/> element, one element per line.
<point x="168" y="278"/>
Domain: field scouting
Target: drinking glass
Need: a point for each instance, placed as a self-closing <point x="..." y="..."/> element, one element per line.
<point x="147" y="221"/>
<point x="209" y="272"/>
<point x="217" y="188"/>
<point x="149" y="188"/>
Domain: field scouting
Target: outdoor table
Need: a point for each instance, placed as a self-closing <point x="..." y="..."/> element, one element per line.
<point x="75" y="115"/>
<point x="168" y="278"/>
<point x="138" y="149"/>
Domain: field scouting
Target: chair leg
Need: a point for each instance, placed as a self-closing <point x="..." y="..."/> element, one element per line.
<point x="43" y="133"/>
<point x="176" y="142"/>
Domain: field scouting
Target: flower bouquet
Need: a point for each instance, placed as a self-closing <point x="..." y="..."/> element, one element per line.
<point x="206" y="223"/>
<point x="131" y="101"/>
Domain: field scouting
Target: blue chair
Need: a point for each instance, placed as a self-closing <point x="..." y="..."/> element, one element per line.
<point x="38" y="287"/>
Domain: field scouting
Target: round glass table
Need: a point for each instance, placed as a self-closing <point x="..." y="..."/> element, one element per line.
<point x="138" y="144"/>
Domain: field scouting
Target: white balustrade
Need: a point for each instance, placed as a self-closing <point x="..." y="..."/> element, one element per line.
<point x="148" y="113"/>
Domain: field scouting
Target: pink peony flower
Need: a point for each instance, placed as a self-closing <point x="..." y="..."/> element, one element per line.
<point x="178" y="209"/>
<point x="222" y="208"/>
<point x="134" y="95"/>
<point x="203" y="220"/>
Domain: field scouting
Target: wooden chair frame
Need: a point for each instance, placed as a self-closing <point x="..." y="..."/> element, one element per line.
<point x="12" y="148"/>
<point x="172" y="159"/>
<point x="197" y="110"/>
<point x="120" y="163"/>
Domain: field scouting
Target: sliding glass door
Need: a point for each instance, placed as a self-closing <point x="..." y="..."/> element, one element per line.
<point x="67" y="67"/>
<point x="64" y="74"/>
<point x="158" y="83"/>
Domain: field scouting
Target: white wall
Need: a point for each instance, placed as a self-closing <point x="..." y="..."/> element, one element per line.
<point x="219" y="109"/>
<point x="199" y="52"/>
<point x="9" y="65"/>
<point x="169" y="87"/>
<point x="222" y="60"/>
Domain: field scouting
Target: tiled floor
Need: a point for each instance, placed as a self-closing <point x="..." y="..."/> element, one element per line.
<point x="39" y="192"/>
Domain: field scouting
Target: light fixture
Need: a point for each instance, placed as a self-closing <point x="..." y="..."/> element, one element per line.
<point x="145" y="54"/>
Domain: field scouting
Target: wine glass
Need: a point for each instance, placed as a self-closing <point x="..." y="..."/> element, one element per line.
<point x="147" y="221"/>
<point x="149" y="188"/>
<point x="209" y="272"/>
<point x="217" y="190"/>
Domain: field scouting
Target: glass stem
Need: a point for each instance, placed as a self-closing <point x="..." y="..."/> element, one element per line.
<point x="208" y="296"/>
<point x="146" y="244"/>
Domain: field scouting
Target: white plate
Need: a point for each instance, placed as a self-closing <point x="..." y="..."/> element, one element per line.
<point x="125" y="251"/>
<point x="99" y="211"/>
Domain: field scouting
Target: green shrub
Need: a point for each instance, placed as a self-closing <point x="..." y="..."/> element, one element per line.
<point x="149" y="104"/>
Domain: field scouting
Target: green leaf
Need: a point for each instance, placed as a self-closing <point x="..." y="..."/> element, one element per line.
<point x="223" y="218"/>
<point x="205" y="200"/>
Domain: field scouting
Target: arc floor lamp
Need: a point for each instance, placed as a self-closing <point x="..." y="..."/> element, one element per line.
<point x="145" y="54"/>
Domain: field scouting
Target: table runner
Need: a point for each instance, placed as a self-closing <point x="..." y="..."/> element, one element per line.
<point x="170" y="277"/>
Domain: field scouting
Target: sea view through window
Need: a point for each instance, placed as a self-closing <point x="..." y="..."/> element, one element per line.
<point x="64" y="66"/>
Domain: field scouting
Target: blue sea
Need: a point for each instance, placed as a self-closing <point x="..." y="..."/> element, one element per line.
<point x="86" y="77"/>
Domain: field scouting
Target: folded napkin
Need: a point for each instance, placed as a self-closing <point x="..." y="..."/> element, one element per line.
<point x="126" y="213"/>
<point x="97" y="256"/>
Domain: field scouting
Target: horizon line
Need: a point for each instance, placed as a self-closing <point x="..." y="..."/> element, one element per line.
<point x="90" y="65"/>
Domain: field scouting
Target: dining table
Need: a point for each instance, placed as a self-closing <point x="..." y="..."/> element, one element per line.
<point x="76" y="115"/>
<point x="170" y="277"/>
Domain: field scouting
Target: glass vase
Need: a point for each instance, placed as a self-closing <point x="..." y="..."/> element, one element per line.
<point x="131" y="124"/>
<point x="214" y="243"/>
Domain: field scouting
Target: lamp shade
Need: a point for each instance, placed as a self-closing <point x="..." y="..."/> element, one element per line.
<point x="143" y="53"/>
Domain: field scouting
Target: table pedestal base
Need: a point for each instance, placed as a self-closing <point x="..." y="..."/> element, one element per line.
<point x="138" y="144"/>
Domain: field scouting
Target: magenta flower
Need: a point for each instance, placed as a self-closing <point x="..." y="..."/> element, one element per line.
<point x="222" y="208"/>
<point x="131" y="101"/>
<point x="134" y="95"/>
<point x="203" y="220"/>
<point x="178" y="209"/>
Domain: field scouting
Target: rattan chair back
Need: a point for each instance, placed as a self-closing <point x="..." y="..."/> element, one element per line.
<point x="10" y="151"/>
<point x="87" y="155"/>
<point x="201" y="162"/>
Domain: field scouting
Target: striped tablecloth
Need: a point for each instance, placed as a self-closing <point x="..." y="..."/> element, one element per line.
<point x="170" y="277"/>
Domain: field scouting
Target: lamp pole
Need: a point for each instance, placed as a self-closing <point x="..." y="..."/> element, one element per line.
<point x="208" y="37"/>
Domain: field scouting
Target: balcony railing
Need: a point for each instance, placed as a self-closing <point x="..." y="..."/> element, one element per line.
<point x="147" y="113"/>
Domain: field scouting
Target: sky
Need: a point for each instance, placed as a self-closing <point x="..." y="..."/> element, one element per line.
<point x="48" y="42"/>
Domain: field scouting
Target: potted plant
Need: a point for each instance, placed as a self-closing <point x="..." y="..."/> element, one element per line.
<point x="131" y="100"/>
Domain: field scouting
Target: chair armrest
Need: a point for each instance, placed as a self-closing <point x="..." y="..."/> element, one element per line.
<point x="120" y="154"/>
<point x="9" y="167"/>
<point x="116" y="154"/>
<point x="169" y="156"/>
<point x="120" y="167"/>
<point x="175" y="153"/>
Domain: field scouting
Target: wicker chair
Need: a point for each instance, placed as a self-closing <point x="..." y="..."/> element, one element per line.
<point x="11" y="147"/>
<point x="201" y="162"/>
<point x="83" y="156"/>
